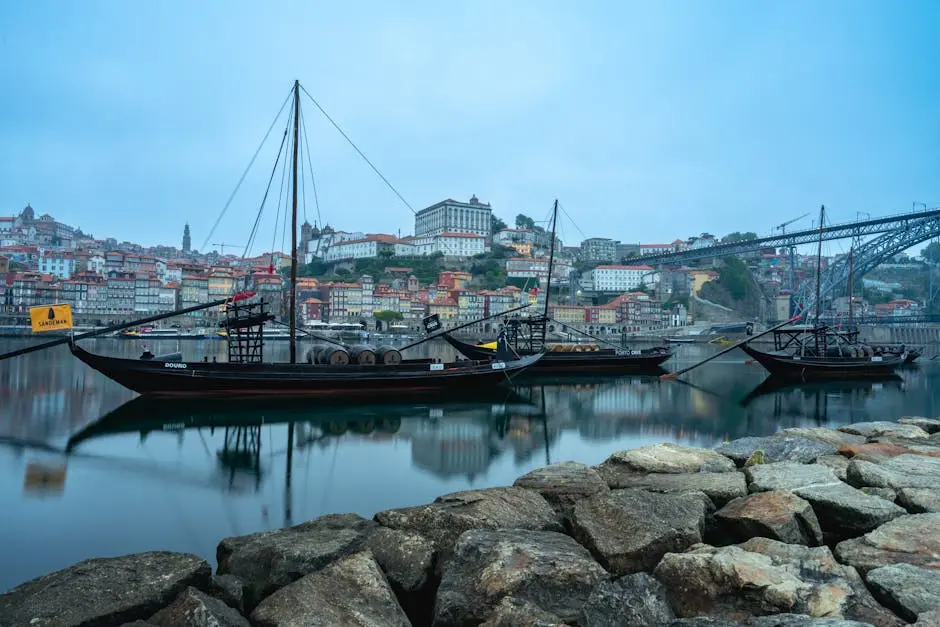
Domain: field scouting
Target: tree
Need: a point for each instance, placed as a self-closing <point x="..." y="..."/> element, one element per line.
<point x="737" y="236"/>
<point x="388" y="316"/>
<point x="386" y="254"/>
<point x="496" y="224"/>
<point x="735" y="277"/>
<point x="524" y="222"/>
<point x="931" y="253"/>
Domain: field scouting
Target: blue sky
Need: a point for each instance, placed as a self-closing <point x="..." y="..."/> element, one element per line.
<point x="649" y="121"/>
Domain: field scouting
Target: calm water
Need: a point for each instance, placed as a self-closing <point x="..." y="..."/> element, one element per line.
<point x="184" y="490"/>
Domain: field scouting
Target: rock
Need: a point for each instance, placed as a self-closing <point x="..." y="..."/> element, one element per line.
<point x="877" y="451"/>
<point x="906" y="589"/>
<point x="919" y="446"/>
<point x="764" y="576"/>
<point x="630" y="530"/>
<point x="787" y="476"/>
<point x="563" y="484"/>
<point x="903" y="471"/>
<point x="919" y="500"/>
<point x="511" y="612"/>
<point x="823" y="434"/>
<point x="104" y="592"/>
<point x="930" y="425"/>
<point x="913" y="539"/>
<point x="407" y="559"/>
<point x="779" y="515"/>
<point x="193" y="608"/>
<point x="544" y="568"/>
<point x="845" y="512"/>
<point x="450" y="515"/>
<point x="882" y="493"/>
<point x="776" y="448"/>
<point x="632" y="601"/>
<point x="800" y="620"/>
<point x="230" y="590"/>
<point x="879" y="428"/>
<point x="720" y="487"/>
<point x="757" y="457"/>
<point x="351" y="591"/>
<point x="929" y="619"/>
<point x="667" y="458"/>
<point x="138" y="623"/>
<point x="270" y="560"/>
<point x="838" y="463"/>
<point x="705" y="621"/>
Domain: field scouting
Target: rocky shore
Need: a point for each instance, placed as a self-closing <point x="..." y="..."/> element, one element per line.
<point x="809" y="527"/>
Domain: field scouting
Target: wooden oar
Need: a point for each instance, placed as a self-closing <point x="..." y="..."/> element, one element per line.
<point x="457" y="328"/>
<point x="118" y="327"/>
<point x="674" y="375"/>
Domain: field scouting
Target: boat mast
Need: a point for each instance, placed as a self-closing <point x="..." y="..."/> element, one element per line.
<point x="551" y="262"/>
<point x="851" y="298"/>
<point x="822" y="216"/>
<point x="293" y="231"/>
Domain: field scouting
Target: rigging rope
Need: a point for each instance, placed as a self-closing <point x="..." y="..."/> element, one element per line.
<point x="281" y="201"/>
<point x="313" y="180"/>
<point x="254" y="228"/>
<point x="245" y="173"/>
<point x="356" y="148"/>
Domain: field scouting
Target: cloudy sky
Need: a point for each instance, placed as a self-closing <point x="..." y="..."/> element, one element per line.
<point x="649" y="121"/>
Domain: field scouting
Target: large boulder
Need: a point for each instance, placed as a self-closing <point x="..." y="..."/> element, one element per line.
<point x="878" y="451"/>
<point x="838" y="463"/>
<point x="546" y="569"/>
<point x="844" y="512"/>
<point x="930" y="425"/>
<point x="630" y="530"/>
<point x="512" y="612"/>
<point x="800" y="620"/>
<point x="913" y="539"/>
<point x="105" y="592"/>
<point x="908" y="590"/>
<point x="903" y="471"/>
<point x="563" y="484"/>
<point x="407" y="559"/>
<point x="919" y="500"/>
<point x="787" y="476"/>
<point x="720" y="487"/>
<point x="776" y="448"/>
<point x="778" y="515"/>
<point x="450" y="515"/>
<point x="351" y="591"/>
<point x="193" y="608"/>
<point x="270" y="560"/>
<point x="634" y="600"/>
<point x="823" y="434"/>
<point x="929" y="619"/>
<point x="665" y="458"/>
<point x="880" y="428"/>
<point x="764" y="576"/>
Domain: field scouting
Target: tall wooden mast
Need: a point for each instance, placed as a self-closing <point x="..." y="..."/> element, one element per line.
<point x="851" y="286"/>
<point x="551" y="262"/>
<point x="822" y="218"/>
<point x="293" y="230"/>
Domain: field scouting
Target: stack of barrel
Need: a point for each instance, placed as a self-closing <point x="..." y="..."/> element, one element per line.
<point x="360" y="354"/>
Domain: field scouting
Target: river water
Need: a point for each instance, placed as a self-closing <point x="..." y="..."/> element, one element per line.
<point x="162" y="487"/>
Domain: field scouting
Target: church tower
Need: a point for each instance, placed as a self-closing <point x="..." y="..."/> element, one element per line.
<point x="186" y="241"/>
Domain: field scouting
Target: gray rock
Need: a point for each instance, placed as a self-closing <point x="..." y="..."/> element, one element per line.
<point x="193" y="608"/>
<point x="764" y="576"/>
<point x="407" y="559"/>
<point x="903" y="471"/>
<point x="800" y="620"/>
<point x="720" y="487"/>
<point x="838" y="463"/>
<point x="778" y="515"/>
<point x="668" y="458"/>
<point x="351" y="591"/>
<point x="630" y="530"/>
<point x="930" y="425"/>
<point x="845" y="512"/>
<point x="787" y="476"/>
<point x="913" y="539"/>
<point x="776" y="448"/>
<point x="138" y="623"/>
<point x="880" y="428"/>
<point x="635" y="600"/>
<point x="906" y="589"/>
<point x="230" y="590"/>
<point x="705" y="621"/>
<point x="882" y="493"/>
<point x="547" y="569"/>
<point x="920" y="446"/>
<point x="563" y="484"/>
<point x="823" y="434"/>
<point x="270" y="560"/>
<point x="104" y="592"/>
<point x="511" y="612"/>
<point x="919" y="500"/>
<point x="929" y="619"/>
<point x="450" y="515"/>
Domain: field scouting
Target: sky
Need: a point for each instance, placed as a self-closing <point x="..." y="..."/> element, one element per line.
<point x="649" y="121"/>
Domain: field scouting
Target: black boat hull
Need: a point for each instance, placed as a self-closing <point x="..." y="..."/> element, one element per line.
<point x="554" y="362"/>
<point x="159" y="378"/>
<point x="818" y="369"/>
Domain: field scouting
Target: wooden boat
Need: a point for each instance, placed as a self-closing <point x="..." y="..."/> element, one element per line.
<point x="679" y="340"/>
<point x="610" y="361"/>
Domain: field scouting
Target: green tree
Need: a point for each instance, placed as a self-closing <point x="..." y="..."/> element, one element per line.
<point x="735" y="277"/>
<point x="388" y="316"/>
<point x="524" y="222"/>
<point x="386" y="254"/>
<point x="931" y="253"/>
<point x="737" y="236"/>
<point x="496" y="224"/>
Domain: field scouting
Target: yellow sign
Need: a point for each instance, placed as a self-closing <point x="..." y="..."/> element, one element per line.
<point x="50" y="318"/>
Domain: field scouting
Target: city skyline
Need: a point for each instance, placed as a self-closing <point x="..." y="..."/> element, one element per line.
<point x="619" y="110"/>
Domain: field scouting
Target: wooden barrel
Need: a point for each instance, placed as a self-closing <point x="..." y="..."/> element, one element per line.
<point x="387" y="355"/>
<point x="331" y="356"/>
<point x="362" y="355"/>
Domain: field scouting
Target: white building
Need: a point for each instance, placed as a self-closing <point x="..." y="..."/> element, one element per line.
<point x="451" y="216"/>
<point x="459" y="245"/>
<point x="57" y="263"/>
<point x="622" y="278"/>
<point x="96" y="264"/>
<point x="368" y="247"/>
<point x="537" y="268"/>
<point x="506" y="237"/>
